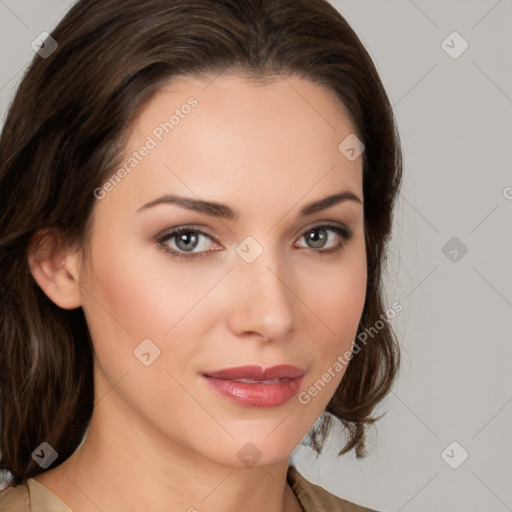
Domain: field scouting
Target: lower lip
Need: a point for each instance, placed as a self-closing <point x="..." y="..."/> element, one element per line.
<point x="257" y="394"/>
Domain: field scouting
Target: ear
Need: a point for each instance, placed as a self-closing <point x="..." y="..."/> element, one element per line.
<point x="56" y="268"/>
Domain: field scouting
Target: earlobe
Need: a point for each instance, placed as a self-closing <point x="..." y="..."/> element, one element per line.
<point x="55" y="267"/>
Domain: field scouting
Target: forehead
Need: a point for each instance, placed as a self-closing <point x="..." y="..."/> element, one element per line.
<point x="288" y="103"/>
<point x="229" y="136"/>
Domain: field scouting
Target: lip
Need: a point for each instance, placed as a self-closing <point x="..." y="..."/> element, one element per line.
<point x="259" y="394"/>
<point x="281" y="371"/>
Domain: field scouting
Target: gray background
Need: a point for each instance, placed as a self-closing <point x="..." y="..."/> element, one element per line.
<point x="454" y="116"/>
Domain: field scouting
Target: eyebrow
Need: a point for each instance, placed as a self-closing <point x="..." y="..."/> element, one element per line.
<point x="221" y="210"/>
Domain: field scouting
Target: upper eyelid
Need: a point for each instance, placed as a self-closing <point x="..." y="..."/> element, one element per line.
<point x="325" y="224"/>
<point x="167" y="233"/>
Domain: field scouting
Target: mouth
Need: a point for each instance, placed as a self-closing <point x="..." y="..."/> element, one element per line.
<point x="254" y="386"/>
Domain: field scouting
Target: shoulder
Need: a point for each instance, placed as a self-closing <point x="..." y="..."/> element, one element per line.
<point x="30" y="496"/>
<point x="15" y="499"/>
<point x="314" y="498"/>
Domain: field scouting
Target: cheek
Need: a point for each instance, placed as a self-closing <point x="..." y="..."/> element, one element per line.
<point x="338" y="306"/>
<point x="144" y="291"/>
<point x="136" y="293"/>
<point x="133" y="298"/>
<point x="336" y="297"/>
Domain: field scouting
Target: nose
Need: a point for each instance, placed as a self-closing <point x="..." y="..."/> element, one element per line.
<point x="262" y="302"/>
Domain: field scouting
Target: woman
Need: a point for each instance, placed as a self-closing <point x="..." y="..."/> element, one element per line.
<point x="198" y="196"/>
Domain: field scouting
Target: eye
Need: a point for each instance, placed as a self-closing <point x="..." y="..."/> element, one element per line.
<point x="187" y="243"/>
<point x="327" y="238"/>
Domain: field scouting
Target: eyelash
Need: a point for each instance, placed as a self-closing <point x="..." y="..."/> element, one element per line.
<point x="344" y="232"/>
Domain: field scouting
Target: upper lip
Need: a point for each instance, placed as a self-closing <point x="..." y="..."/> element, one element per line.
<point x="257" y="372"/>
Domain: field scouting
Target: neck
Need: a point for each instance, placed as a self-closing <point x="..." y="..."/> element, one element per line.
<point x="126" y="466"/>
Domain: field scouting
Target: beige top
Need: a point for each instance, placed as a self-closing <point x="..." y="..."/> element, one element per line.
<point x="31" y="496"/>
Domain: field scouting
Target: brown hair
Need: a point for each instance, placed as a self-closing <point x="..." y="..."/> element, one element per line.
<point x="62" y="138"/>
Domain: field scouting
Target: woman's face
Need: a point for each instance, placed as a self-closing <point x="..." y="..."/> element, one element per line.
<point x="260" y="280"/>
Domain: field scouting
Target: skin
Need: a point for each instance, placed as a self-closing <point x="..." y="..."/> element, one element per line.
<point x="160" y="438"/>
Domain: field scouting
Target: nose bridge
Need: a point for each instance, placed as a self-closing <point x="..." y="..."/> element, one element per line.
<point x="264" y="299"/>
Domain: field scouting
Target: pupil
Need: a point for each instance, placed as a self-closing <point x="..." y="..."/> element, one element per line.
<point x="190" y="239"/>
